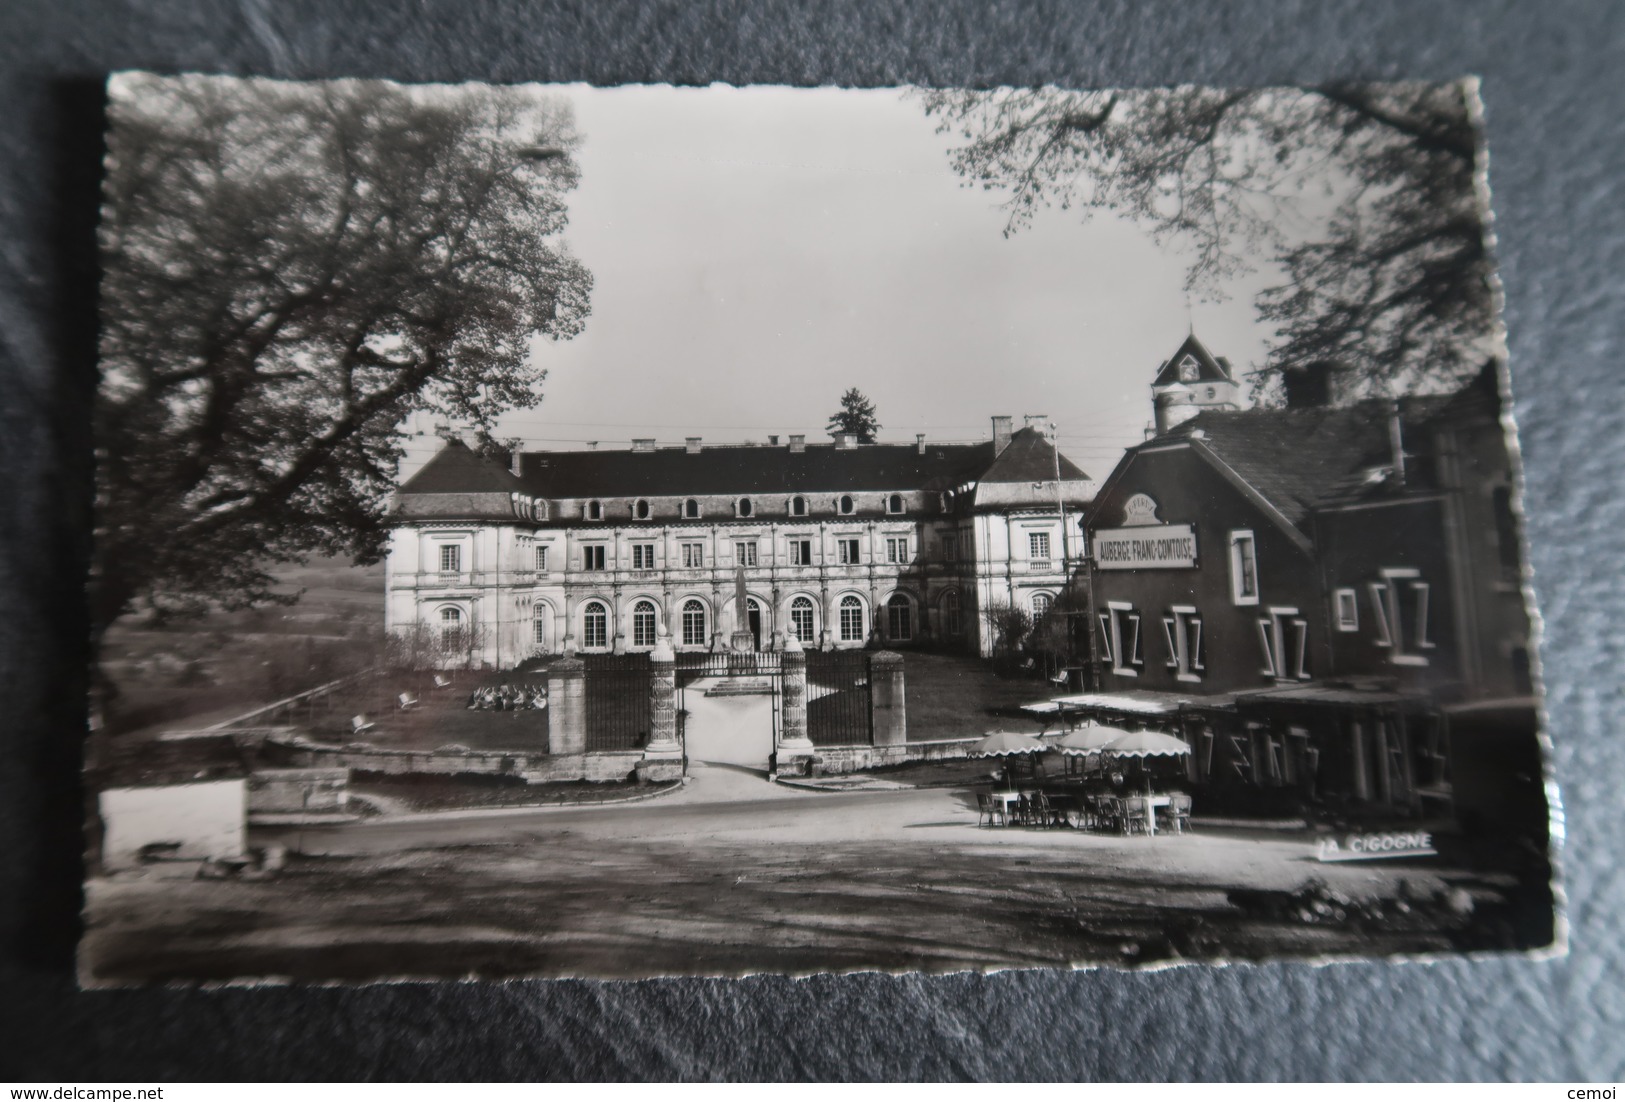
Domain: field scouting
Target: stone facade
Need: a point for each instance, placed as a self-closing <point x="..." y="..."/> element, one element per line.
<point x="842" y="545"/>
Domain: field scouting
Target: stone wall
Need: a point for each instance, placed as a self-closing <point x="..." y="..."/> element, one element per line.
<point x="533" y="768"/>
<point x="854" y="759"/>
<point x="279" y="791"/>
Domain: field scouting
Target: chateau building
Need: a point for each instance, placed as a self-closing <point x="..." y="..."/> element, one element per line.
<point x="843" y="545"/>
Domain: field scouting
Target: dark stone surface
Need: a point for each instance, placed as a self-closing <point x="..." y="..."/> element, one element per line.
<point x="1553" y="86"/>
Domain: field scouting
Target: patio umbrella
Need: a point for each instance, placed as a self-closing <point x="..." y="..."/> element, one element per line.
<point x="1089" y="740"/>
<point x="1008" y="744"/>
<point x="1146" y="744"/>
<point x="1001" y="744"/>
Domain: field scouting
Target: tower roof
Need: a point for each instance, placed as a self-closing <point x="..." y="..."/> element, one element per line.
<point x="1209" y="368"/>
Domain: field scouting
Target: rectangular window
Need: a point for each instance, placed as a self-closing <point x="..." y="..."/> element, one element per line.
<point x="1243" y="568"/>
<point x="1283" y="639"/>
<point x="897" y="550"/>
<point x="1038" y="545"/>
<point x="1348" y="610"/>
<point x="643" y="557"/>
<point x="1124" y="633"/>
<point x="451" y="558"/>
<point x="745" y="553"/>
<point x="848" y="549"/>
<point x="693" y="555"/>
<point x="592" y="557"/>
<point x="950" y="548"/>
<point x="1400" y="602"/>
<point x="801" y="552"/>
<point x="1183" y="632"/>
<point x="541" y="560"/>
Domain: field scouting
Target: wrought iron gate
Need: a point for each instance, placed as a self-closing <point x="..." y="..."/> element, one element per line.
<point x="617" y="701"/>
<point x="838" y="707"/>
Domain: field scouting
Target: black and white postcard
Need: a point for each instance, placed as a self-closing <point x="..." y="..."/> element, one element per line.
<point x="644" y="531"/>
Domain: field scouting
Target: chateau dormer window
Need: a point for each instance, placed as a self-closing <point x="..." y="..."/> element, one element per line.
<point x="640" y="509"/>
<point x="844" y="504"/>
<point x="894" y="503"/>
<point x="743" y="507"/>
<point x="691" y="509"/>
<point x="595" y="510"/>
<point x="1188" y="369"/>
<point x="798" y="506"/>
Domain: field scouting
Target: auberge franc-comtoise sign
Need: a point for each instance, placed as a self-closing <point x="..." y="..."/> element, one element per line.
<point x="1165" y="546"/>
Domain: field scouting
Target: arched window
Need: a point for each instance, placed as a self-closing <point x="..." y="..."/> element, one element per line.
<point x="950" y="612"/>
<point x="898" y="625"/>
<point x="1041" y="605"/>
<point x="894" y="503"/>
<point x="844" y="504"/>
<point x="539" y="625"/>
<point x="693" y="624"/>
<point x="643" y="624"/>
<point x="640" y="509"/>
<point x="451" y="622"/>
<point x="594" y="626"/>
<point x="851" y="620"/>
<point x="744" y="507"/>
<point x="691" y="509"/>
<point x="595" y="510"/>
<point x="798" y="506"/>
<point x="801" y="619"/>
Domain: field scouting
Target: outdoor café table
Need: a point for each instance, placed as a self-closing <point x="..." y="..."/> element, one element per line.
<point x="1006" y="800"/>
<point x="1152" y="802"/>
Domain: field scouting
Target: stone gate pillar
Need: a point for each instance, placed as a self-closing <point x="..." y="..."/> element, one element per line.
<point x="567" y="707"/>
<point x="794" y="746"/>
<point x="887" y="713"/>
<point x="663" y="757"/>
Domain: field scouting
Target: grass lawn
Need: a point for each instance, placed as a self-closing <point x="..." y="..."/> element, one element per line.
<point x="951" y="696"/>
<point x="441" y="718"/>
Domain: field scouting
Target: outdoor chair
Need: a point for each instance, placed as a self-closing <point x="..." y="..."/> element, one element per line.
<point x="442" y="682"/>
<point x="1047" y="813"/>
<point x="1179" y="812"/>
<point x="1135" y="810"/>
<point x="359" y="725"/>
<point x="989" y="812"/>
<point x="1061" y="679"/>
<point x="407" y="702"/>
<point x="1106" y="813"/>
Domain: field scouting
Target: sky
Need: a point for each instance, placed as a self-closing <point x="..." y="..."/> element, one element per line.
<point x="757" y="251"/>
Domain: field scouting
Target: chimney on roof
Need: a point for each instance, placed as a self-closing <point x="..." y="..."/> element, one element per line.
<point x="643" y="444"/>
<point x="772" y="441"/>
<point x="798" y="443"/>
<point x="516" y="463"/>
<point x="1001" y="434"/>
<point x="1035" y="421"/>
<point x="846" y="440"/>
<point x="692" y="444"/>
<point x="919" y="443"/>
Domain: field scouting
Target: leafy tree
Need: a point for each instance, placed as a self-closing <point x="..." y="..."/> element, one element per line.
<point x="1365" y="197"/>
<point x="857" y="414"/>
<point x="289" y="272"/>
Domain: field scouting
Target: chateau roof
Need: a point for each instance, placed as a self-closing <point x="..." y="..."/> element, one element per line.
<point x="1030" y="457"/>
<point x="458" y="469"/>
<point x="741" y="469"/>
<point x="1210" y="368"/>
